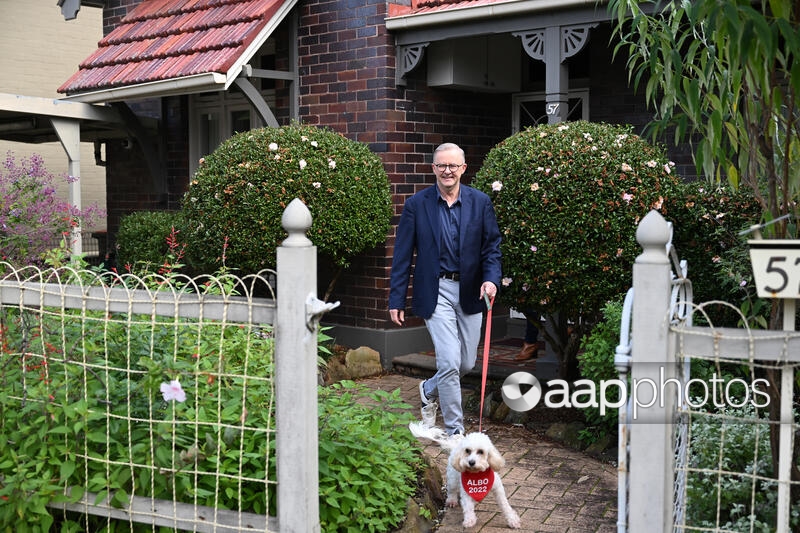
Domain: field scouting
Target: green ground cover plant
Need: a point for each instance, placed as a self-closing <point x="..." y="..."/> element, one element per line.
<point x="127" y="405"/>
<point x="728" y="483"/>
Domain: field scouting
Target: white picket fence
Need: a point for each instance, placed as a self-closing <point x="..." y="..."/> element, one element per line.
<point x="175" y="309"/>
<point x="657" y="344"/>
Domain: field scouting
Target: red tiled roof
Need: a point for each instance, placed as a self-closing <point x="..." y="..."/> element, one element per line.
<point x="167" y="39"/>
<point x="418" y="7"/>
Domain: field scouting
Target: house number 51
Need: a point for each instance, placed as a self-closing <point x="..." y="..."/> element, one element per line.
<point x="777" y="265"/>
<point x="776" y="268"/>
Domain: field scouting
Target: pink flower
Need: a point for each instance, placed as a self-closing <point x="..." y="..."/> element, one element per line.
<point x="173" y="391"/>
<point x="506" y="282"/>
<point x="658" y="203"/>
<point x="627" y="197"/>
<point x="533" y="248"/>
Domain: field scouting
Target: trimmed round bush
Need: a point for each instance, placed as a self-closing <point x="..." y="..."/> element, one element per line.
<point x="240" y="191"/>
<point x="568" y="199"/>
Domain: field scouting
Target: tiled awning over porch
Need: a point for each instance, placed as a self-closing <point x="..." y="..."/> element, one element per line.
<point x="167" y="47"/>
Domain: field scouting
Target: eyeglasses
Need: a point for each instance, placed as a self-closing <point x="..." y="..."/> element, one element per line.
<point x="451" y="167"/>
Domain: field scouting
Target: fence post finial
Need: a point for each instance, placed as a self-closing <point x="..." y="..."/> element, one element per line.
<point x="296" y="220"/>
<point x="653" y="234"/>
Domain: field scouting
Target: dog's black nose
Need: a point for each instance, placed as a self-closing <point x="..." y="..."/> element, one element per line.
<point x="472" y="462"/>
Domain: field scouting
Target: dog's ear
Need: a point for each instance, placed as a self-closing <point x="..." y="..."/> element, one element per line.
<point x="496" y="461"/>
<point x="455" y="459"/>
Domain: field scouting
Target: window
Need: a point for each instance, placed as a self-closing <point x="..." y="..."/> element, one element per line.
<point x="529" y="109"/>
<point x="216" y="116"/>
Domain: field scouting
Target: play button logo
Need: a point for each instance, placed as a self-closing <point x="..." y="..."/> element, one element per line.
<point x="513" y="394"/>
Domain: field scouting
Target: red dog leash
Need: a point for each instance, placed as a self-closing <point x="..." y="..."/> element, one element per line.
<point x="487" y="337"/>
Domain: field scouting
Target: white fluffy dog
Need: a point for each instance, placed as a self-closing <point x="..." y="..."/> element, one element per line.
<point x="471" y="472"/>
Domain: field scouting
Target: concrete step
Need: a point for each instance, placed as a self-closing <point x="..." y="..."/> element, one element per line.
<point x="424" y="365"/>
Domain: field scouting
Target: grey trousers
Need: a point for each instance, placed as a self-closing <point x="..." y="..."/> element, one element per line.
<point x="455" y="338"/>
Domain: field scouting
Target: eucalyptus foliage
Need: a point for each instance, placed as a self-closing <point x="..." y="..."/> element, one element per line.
<point x="726" y="75"/>
<point x="240" y="191"/>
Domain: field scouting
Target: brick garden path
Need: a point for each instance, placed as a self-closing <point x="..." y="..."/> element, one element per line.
<point x="553" y="488"/>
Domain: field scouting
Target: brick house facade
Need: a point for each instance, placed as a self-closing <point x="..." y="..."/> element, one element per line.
<point x="347" y="80"/>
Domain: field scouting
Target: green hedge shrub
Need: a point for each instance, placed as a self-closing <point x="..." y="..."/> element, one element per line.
<point x="596" y="362"/>
<point x="706" y="224"/>
<point x="240" y="192"/>
<point x="568" y="199"/>
<point x="142" y="238"/>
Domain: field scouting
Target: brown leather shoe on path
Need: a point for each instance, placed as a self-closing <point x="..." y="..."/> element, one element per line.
<point x="530" y="350"/>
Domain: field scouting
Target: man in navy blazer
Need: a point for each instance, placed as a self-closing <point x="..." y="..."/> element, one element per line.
<point x="453" y="230"/>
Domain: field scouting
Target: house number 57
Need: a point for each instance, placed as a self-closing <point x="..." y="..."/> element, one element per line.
<point x="552" y="109"/>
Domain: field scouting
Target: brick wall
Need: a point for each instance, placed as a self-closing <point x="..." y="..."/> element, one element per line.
<point x="115" y="11"/>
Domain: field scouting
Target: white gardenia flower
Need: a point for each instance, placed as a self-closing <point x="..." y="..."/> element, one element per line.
<point x="303" y="164"/>
<point x="497" y="186"/>
<point x="331" y="164"/>
<point x="273" y="146"/>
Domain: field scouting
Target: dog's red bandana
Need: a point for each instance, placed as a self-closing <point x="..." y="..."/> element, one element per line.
<point x="477" y="484"/>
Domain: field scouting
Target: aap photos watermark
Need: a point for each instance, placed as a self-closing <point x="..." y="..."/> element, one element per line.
<point x="522" y="392"/>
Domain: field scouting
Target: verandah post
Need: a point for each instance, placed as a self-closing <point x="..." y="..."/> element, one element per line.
<point x="651" y="431"/>
<point x="296" y="377"/>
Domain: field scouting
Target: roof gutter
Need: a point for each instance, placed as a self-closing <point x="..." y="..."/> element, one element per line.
<point x="208" y="81"/>
<point x="483" y="12"/>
